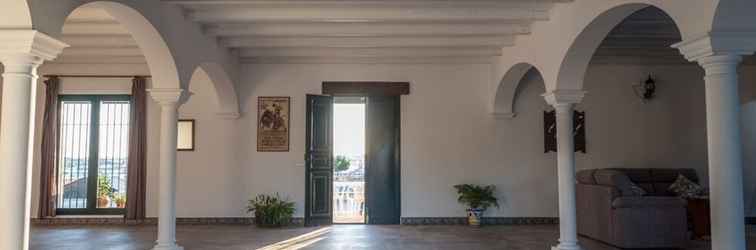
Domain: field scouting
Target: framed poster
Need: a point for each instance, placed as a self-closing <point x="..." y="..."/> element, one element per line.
<point x="549" y="131"/>
<point x="273" y="123"/>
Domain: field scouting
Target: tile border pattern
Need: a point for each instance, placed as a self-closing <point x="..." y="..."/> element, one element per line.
<point x="299" y="221"/>
<point x="486" y="220"/>
<point x="151" y="221"/>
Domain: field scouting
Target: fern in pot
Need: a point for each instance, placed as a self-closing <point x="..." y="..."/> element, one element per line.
<point x="478" y="199"/>
<point x="271" y="211"/>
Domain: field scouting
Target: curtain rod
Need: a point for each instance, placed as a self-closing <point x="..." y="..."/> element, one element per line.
<point x="98" y="76"/>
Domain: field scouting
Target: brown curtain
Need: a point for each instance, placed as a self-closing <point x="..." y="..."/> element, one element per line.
<point x="48" y="190"/>
<point x="136" y="186"/>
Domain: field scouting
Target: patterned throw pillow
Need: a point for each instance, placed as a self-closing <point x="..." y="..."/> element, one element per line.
<point x="635" y="190"/>
<point x="685" y="188"/>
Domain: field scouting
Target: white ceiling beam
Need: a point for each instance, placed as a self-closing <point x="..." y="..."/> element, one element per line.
<point x="94" y="28"/>
<point x="365" y="3"/>
<point x="65" y="59"/>
<point x="99" y="41"/>
<point x="368" y="42"/>
<point x="362" y="14"/>
<point x="369" y="60"/>
<point x="97" y="52"/>
<point x="366" y="29"/>
<point x="89" y="14"/>
<point x="369" y="52"/>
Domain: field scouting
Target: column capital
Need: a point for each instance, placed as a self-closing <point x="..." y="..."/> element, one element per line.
<point x="564" y="97"/>
<point x="166" y="96"/>
<point x="710" y="44"/>
<point x="27" y="46"/>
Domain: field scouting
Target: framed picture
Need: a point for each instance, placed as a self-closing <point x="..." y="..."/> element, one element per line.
<point x="273" y="123"/>
<point x="549" y="131"/>
<point x="185" y="135"/>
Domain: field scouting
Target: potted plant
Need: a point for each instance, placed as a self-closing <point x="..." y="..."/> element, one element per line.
<point x="104" y="192"/>
<point x="120" y="200"/>
<point x="271" y="211"/>
<point x="478" y="199"/>
<point x="342" y="163"/>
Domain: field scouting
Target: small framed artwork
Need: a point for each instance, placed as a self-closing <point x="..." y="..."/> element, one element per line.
<point x="273" y="123"/>
<point x="549" y="131"/>
<point x="185" y="135"/>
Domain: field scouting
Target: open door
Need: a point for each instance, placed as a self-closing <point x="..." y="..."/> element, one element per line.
<point x="319" y="161"/>
<point x="383" y="163"/>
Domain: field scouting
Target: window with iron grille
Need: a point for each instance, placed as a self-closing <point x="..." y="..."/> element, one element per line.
<point x="93" y="154"/>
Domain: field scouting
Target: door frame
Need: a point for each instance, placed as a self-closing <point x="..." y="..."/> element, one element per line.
<point x="367" y="89"/>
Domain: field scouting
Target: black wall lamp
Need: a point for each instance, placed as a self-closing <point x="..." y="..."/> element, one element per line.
<point x="646" y="90"/>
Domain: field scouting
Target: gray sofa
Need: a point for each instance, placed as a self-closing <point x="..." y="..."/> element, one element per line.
<point x="607" y="211"/>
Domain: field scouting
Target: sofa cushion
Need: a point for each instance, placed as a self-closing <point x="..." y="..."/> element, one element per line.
<point x="686" y="188"/>
<point x="669" y="175"/>
<point x="618" y="180"/>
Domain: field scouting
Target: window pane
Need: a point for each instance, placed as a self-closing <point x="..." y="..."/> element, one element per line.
<point x="74" y="153"/>
<point x="113" y="154"/>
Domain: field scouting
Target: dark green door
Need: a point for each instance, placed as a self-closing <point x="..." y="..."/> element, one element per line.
<point x="382" y="170"/>
<point x="318" y="161"/>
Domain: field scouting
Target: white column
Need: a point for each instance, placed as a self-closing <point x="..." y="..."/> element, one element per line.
<point x="21" y="52"/>
<point x="564" y="101"/>
<point x="169" y="103"/>
<point x="725" y="162"/>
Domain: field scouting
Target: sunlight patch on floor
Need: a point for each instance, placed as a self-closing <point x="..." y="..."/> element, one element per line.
<point x="299" y="242"/>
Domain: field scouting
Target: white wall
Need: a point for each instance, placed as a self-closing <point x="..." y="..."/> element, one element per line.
<point x="448" y="136"/>
<point x="209" y="172"/>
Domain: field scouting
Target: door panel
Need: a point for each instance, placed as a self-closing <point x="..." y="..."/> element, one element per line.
<point x="383" y="162"/>
<point x="319" y="161"/>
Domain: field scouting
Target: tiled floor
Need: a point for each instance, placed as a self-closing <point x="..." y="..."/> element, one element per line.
<point x="232" y="237"/>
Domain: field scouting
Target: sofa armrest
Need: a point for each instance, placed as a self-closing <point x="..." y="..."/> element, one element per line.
<point x="594" y="210"/>
<point x="648" y="201"/>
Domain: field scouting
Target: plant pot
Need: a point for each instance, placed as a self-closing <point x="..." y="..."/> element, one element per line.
<point x="120" y="204"/>
<point x="474" y="216"/>
<point x="102" y="202"/>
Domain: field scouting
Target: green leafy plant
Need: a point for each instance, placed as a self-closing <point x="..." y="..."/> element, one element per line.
<point x="477" y="197"/>
<point x="342" y="163"/>
<point x="271" y="211"/>
<point x="104" y="188"/>
<point x="120" y="200"/>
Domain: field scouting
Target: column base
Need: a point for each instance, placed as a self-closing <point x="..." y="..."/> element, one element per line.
<point x="168" y="247"/>
<point x="573" y="246"/>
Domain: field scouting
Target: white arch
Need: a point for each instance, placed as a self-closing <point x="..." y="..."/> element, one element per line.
<point x="734" y="16"/>
<point x="15" y="15"/>
<point x="575" y="63"/>
<point x="226" y="97"/>
<point x="506" y="92"/>
<point x="160" y="30"/>
<point x="159" y="58"/>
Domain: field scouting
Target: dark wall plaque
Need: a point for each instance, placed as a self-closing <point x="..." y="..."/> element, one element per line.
<point x="550" y="130"/>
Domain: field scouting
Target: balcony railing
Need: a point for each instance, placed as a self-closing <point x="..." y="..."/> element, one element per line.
<point x="349" y="201"/>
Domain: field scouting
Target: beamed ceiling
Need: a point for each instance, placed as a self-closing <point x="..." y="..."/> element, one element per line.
<point x="272" y="31"/>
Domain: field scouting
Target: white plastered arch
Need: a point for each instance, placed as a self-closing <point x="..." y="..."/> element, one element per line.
<point x="15" y="14"/>
<point x="225" y="92"/>
<point x="563" y="45"/>
<point x="506" y="93"/>
<point x="174" y="47"/>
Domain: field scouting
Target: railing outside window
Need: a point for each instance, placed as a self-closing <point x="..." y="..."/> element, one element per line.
<point x="93" y="154"/>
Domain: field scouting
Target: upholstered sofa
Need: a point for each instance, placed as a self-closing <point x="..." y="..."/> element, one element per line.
<point x="608" y="211"/>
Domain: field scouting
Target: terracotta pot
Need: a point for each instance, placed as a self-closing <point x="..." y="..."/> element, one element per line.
<point x="102" y="202"/>
<point x="474" y="216"/>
